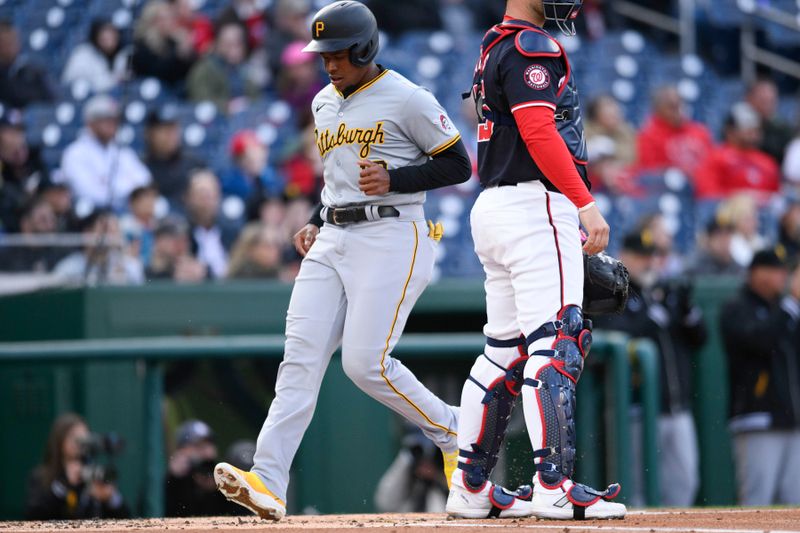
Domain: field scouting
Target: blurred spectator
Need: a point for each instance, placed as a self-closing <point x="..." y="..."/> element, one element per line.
<point x="195" y="24"/>
<point x="791" y="163"/>
<point x="288" y="218"/>
<point x="162" y="49"/>
<point x="251" y="178"/>
<point x="290" y="24"/>
<point x="59" y="197"/>
<point x="211" y="236"/>
<point x="776" y="134"/>
<point x="257" y="253"/>
<point x="741" y="213"/>
<point x="21" y="170"/>
<point x="240" y="454"/>
<point x="761" y="341"/>
<point x="738" y="164"/>
<point x="606" y="172"/>
<point x="97" y="168"/>
<point x="667" y="262"/>
<point x="665" y="314"/>
<point x="299" y="80"/>
<point x="605" y="121"/>
<point x="190" y="488"/>
<point x="139" y="223"/>
<point x="789" y="231"/>
<point x="414" y="482"/>
<point x="222" y="76"/>
<point x="170" y="258"/>
<point x="104" y="258"/>
<point x="396" y="17"/>
<point x="169" y="164"/>
<point x="303" y="169"/>
<point x="62" y="487"/>
<point x="669" y="138"/>
<point x="249" y="14"/>
<point x="37" y="219"/>
<point x="98" y="61"/>
<point x="21" y="81"/>
<point x="712" y="256"/>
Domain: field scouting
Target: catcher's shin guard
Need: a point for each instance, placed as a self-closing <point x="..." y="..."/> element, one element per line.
<point x="548" y="396"/>
<point x="487" y="399"/>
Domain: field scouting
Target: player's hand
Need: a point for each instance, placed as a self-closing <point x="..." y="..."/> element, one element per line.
<point x="304" y="238"/>
<point x="597" y="229"/>
<point x="374" y="179"/>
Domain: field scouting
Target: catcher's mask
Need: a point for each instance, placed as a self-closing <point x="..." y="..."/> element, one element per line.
<point x="563" y="13"/>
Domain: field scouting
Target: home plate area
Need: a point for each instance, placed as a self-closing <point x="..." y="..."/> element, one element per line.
<point x="651" y="521"/>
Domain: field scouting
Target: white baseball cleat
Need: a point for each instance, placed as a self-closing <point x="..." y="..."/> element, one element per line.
<point x="573" y="501"/>
<point x="491" y="501"/>
<point x="247" y="489"/>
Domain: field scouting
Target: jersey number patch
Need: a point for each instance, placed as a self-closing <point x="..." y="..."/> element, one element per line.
<point x="537" y="77"/>
<point x="485" y="131"/>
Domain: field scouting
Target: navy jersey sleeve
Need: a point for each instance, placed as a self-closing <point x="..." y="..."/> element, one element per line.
<point x="530" y="81"/>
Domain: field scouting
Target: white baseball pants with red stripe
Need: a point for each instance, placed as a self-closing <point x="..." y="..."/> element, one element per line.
<point x="529" y="243"/>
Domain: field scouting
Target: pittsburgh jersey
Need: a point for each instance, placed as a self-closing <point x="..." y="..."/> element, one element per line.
<point x="390" y="121"/>
<point x="522" y="66"/>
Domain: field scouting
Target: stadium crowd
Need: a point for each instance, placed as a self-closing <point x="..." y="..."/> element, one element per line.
<point x="168" y="211"/>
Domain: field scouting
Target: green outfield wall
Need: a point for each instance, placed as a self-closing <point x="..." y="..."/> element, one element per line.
<point x="113" y="394"/>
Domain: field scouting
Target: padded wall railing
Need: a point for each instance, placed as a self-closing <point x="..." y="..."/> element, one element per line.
<point x="604" y="401"/>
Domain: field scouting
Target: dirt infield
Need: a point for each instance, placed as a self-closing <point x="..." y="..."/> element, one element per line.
<point x="666" y="521"/>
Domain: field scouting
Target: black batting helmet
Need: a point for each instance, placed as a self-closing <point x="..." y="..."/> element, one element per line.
<point x="345" y="25"/>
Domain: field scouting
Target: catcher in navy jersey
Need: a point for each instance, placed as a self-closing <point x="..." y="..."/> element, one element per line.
<point x="526" y="228"/>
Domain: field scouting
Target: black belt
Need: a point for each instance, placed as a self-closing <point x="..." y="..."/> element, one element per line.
<point x="547" y="185"/>
<point x="351" y="215"/>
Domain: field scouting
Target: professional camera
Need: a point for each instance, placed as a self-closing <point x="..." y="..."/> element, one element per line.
<point x="97" y="455"/>
<point x="203" y="467"/>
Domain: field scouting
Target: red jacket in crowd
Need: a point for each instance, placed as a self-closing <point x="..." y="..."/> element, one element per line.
<point x="662" y="145"/>
<point x="729" y="169"/>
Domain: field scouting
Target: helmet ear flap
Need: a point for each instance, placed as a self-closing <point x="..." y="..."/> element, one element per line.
<point x="362" y="55"/>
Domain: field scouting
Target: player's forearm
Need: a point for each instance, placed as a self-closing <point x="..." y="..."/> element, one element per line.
<point x="538" y="128"/>
<point x="450" y="167"/>
<point x="316" y="216"/>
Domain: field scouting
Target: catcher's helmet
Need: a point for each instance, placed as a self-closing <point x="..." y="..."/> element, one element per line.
<point x="563" y="13"/>
<point x="345" y="25"/>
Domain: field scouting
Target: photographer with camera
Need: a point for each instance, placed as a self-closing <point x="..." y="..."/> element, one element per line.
<point x="414" y="482"/>
<point x="72" y="483"/>
<point x="663" y="311"/>
<point x="190" y="488"/>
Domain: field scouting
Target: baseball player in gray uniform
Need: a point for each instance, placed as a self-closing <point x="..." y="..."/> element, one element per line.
<point x="368" y="252"/>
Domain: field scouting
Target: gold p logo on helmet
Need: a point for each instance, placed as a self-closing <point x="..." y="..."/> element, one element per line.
<point x="319" y="27"/>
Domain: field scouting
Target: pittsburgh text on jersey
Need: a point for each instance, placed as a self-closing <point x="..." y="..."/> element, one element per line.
<point x="327" y="141"/>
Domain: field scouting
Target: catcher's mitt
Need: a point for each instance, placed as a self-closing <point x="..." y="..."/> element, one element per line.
<point x="605" y="285"/>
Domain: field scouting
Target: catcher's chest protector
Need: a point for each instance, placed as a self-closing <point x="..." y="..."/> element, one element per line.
<point x="545" y="57"/>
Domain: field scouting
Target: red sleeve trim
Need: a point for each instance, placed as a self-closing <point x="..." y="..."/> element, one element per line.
<point x="533" y="103"/>
<point x="537" y="126"/>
